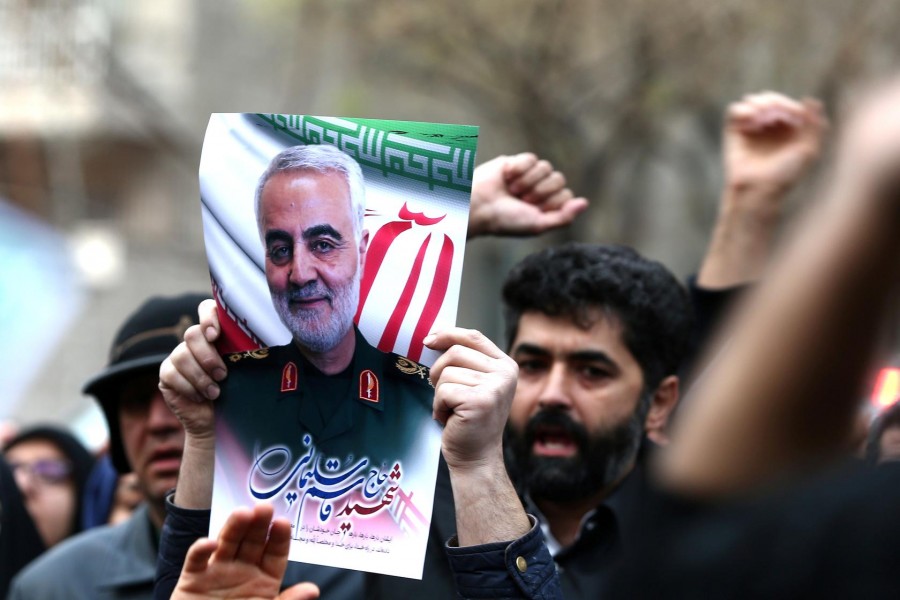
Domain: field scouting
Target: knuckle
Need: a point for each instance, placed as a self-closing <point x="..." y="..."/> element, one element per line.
<point x="193" y="334"/>
<point x="177" y="358"/>
<point x="474" y="336"/>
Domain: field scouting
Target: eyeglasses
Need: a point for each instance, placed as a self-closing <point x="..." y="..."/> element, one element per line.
<point x="50" y="471"/>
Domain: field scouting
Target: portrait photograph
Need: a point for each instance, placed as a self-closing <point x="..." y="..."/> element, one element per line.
<point x="335" y="246"/>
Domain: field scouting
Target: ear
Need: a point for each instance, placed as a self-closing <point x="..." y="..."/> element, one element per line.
<point x="664" y="400"/>
<point x="363" y="246"/>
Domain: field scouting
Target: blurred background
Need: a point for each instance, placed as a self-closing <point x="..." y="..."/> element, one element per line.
<point x="104" y="104"/>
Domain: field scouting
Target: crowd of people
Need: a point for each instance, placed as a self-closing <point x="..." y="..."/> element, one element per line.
<point x="635" y="437"/>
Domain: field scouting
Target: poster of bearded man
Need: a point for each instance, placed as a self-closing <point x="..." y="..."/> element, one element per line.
<point x="335" y="246"/>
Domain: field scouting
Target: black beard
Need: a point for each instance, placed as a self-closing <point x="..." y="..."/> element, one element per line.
<point x="600" y="461"/>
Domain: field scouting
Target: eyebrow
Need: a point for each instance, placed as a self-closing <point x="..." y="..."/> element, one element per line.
<point x="280" y="235"/>
<point x="578" y="355"/>
<point x="320" y="230"/>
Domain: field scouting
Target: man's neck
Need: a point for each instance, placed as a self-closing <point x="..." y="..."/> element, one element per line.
<point x="335" y="360"/>
<point x="564" y="518"/>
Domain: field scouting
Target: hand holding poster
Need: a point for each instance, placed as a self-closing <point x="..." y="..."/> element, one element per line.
<point x="335" y="246"/>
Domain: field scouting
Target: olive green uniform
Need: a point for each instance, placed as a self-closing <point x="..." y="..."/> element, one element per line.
<point x="359" y="441"/>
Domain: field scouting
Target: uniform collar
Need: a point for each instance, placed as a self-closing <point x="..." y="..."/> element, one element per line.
<point x="366" y="372"/>
<point x="361" y="382"/>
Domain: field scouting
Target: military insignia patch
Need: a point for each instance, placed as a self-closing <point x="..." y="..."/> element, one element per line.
<point x="368" y="386"/>
<point x="257" y="354"/>
<point x="289" y="378"/>
<point x="411" y="368"/>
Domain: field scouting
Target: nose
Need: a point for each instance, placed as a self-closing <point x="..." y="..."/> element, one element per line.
<point x="302" y="267"/>
<point x="25" y="482"/>
<point x="554" y="391"/>
<point x="159" y="417"/>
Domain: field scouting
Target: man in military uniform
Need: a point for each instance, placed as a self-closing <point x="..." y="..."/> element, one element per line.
<point x="312" y="441"/>
<point x="329" y="395"/>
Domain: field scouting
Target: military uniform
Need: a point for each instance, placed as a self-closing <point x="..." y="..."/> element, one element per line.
<point x="358" y="446"/>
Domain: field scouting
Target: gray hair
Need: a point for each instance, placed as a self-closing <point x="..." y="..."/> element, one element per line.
<point x="322" y="159"/>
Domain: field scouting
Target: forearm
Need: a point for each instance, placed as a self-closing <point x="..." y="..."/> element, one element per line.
<point x="182" y="528"/>
<point x="742" y="238"/>
<point x="487" y="506"/>
<point x="195" y="477"/>
<point x="785" y="389"/>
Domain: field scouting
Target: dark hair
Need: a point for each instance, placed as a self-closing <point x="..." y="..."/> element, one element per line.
<point x="890" y="417"/>
<point x="82" y="460"/>
<point x="577" y="279"/>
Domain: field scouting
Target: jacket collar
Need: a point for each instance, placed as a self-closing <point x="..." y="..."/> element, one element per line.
<point x="132" y="557"/>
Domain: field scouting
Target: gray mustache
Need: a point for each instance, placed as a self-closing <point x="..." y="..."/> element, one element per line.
<point x="310" y="290"/>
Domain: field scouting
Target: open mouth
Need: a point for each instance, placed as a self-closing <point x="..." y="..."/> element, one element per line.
<point x="554" y="441"/>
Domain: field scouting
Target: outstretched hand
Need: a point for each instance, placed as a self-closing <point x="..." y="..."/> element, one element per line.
<point x="247" y="561"/>
<point x="520" y="195"/>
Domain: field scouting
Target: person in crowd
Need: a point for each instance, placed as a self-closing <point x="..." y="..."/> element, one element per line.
<point x="20" y="541"/>
<point x="749" y="504"/>
<point x="51" y="468"/>
<point x="598" y="333"/>
<point x="146" y="438"/>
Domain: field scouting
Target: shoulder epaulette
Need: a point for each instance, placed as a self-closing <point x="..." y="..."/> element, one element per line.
<point x="408" y="367"/>
<point x="257" y="354"/>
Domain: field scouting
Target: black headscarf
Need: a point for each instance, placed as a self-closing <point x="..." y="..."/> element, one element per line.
<point x="82" y="460"/>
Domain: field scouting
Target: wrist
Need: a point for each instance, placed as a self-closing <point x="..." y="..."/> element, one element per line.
<point x="489" y="467"/>
<point x="762" y="200"/>
<point x="204" y="441"/>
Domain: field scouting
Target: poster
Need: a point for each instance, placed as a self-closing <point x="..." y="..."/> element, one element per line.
<point x="327" y="277"/>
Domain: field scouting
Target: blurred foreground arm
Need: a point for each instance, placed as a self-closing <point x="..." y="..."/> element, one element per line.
<point x="246" y="562"/>
<point x="520" y="195"/>
<point x="769" y="141"/>
<point x="784" y="392"/>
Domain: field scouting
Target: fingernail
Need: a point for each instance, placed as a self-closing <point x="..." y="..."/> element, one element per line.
<point x="210" y="334"/>
<point x="212" y="392"/>
<point x="219" y="374"/>
<point x="429" y="339"/>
